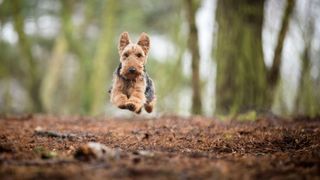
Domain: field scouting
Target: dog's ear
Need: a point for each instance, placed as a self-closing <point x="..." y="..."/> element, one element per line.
<point x="144" y="42"/>
<point x="124" y="41"/>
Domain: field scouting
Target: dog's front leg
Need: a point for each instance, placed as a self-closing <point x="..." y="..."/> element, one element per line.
<point x="137" y="97"/>
<point x="117" y="97"/>
<point x="119" y="100"/>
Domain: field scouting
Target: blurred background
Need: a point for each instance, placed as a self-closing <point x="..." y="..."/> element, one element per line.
<point x="208" y="57"/>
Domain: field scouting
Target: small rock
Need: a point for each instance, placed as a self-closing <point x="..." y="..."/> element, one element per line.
<point x="49" y="155"/>
<point x="71" y="150"/>
<point x="144" y="153"/>
<point x="38" y="128"/>
<point x="139" y="155"/>
<point x="93" y="150"/>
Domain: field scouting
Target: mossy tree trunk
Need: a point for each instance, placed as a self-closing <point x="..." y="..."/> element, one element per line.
<point x="51" y="86"/>
<point x="306" y="103"/>
<point x="191" y="8"/>
<point x="50" y="82"/>
<point x="98" y="78"/>
<point x="31" y="78"/>
<point x="76" y="98"/>
<point x="241" y="72"/>
<point x="274" y="73"/>
<point x="307" y="100"/>
<point x="243" y="81"/>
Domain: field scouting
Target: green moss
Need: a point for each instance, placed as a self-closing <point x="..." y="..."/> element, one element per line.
<point x="248" y="116"/>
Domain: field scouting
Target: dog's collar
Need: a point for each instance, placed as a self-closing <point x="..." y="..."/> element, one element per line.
<point x="124" y="78"/>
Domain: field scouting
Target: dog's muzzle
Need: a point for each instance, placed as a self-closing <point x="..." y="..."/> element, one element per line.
<point x="132" y="70"/>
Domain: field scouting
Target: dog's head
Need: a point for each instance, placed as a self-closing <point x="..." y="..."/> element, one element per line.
<point x="133" y="56"/>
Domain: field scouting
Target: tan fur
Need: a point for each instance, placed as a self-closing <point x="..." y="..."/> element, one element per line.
<point x="130" y="93"/>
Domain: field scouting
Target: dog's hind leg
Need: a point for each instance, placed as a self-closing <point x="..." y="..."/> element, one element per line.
<point x="150" y="95"/>
<point x="148" y="106"/>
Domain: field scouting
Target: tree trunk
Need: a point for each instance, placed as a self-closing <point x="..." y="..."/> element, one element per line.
<point x="241" y="73"/>
<point x="243" y="81"/>
<point x="191" y="9"/>
<point x="274" y="73"/>
<point x="51" y="78"/>
<point x="98" y="80"/>
<point x="31" y="78"/>
<point x="307" y="100"/>
<point x="78" y="101"/>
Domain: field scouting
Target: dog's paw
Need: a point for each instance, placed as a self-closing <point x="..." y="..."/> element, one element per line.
<point x="138" y="111"/>
<point x="134" y="106"/>
<point x="122" y="106"/>
<point x="131" y="107"/>
<point x="148" y="108"/>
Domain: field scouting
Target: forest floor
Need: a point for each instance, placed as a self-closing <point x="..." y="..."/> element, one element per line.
<point x="168" y="147"/>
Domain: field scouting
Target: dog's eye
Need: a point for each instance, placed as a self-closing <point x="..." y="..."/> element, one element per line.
<point x="126" y="54"/>
<point x="139" y="55"/>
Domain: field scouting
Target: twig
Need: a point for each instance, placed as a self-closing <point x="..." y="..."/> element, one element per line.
<point x="39" y="162"/>
<point x="55" y="134"/>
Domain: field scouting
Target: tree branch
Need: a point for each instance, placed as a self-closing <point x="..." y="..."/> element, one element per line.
<point x="274" y="73"/>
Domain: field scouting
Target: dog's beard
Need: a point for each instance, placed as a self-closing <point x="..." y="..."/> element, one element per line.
<point x="131" y="76"/>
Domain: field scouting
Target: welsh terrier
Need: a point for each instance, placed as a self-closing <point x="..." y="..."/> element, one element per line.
<point x="132" y="88"/>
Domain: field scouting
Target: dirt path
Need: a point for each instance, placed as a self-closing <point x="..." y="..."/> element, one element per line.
<point x="43" y="147"/>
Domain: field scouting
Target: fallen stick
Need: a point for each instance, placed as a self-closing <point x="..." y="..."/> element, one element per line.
<point x="39" y="162"/>
<point x="40" y="132"/>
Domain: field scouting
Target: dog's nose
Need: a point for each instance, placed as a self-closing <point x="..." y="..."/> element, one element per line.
<point x="132" y="70"/>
